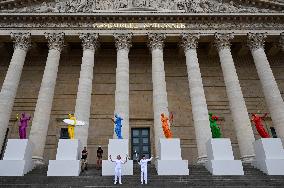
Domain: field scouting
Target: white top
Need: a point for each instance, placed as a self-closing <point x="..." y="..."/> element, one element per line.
<point x="144" y="162"/>
<point x="118" y="163"/>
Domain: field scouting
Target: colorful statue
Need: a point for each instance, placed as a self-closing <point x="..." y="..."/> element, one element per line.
<point x="165" y="125"/>
<point x="71" y="127"/>
<point x="215" y="129"/>
<point x="118" y="125"/>
<point x="23" y="124"/>
<point x="259" y="126"/>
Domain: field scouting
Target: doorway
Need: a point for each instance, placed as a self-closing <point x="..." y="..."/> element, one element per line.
<point x="140" y="143"/>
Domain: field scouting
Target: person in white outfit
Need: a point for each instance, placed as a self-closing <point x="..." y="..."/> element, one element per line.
<point x="117" y="169"/>
<point x="143" y="163"/>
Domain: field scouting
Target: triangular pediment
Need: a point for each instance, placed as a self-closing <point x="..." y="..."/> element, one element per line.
<point x="188" y="6"/>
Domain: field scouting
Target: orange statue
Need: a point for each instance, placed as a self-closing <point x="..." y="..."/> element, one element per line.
<point x="165" y="125"/>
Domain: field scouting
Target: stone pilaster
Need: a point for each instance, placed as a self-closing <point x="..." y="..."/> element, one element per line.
<point x="241" y="120"/>
<point x="84" y="94"/>
<point x="22" y="42"/>
<point x="123" y="45"/>
<point x="198" y="101"/>
<point x="270" y="89"/>
<point x="160" y="99"/>
<point x="41" y="118"/>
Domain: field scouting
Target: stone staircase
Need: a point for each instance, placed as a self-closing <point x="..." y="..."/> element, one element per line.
<point x="199" y="177"/>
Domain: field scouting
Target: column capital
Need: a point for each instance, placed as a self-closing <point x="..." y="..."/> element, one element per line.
<point x="256" y="40"/>
<point x="123" y="41"/>
<point x="222" y="40"/>
<point x="189" y="40"/>
<point x="55" y="40"/>
<point x="156" y="40"/>
<point x="89" y="41"/>
<point x="21" y="40"/>
<point x="281" y="42"/>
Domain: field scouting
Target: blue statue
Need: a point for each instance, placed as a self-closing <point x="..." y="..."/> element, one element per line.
<point x="118" y="125"/>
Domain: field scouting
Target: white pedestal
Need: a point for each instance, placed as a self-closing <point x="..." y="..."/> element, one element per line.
<point x="67" y="161"/>
<point x="221" y="159"/>
<point x="170" y="161"/>
<point x="269" y="154"/>
<point x="17" y="159"/>
<point x="117" y="147"/>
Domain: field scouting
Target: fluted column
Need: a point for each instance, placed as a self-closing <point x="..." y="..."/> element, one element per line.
<point x="197" y="96"/>
<point x="123" y="44"/>
<point x="281" y="42"/>
<point x="241" y="120"/>
<point x="22" y="43"/>
<point x="84" y="94"/>
<point x="160" y="99"/>
<point x="270" y="89"/>
<point x="41" y="118"/>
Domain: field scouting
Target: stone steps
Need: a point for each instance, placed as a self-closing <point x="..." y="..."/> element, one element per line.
<point x="199" y="177"/>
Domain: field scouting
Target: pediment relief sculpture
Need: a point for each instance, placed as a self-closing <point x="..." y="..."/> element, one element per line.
<point x="189" y="6"/>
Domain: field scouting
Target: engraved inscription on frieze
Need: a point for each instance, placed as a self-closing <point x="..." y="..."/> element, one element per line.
<point x="190" y="6"/>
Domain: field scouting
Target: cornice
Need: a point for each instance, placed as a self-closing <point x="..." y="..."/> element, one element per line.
<point x="142" y="17"/>
<point x="197" y="21"/>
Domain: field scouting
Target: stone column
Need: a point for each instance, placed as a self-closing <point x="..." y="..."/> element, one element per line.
<point x="8" y="93"/>
<point x="281" y="42"/>
<point x="123" y="44"/>
<point x="241" y="120"/>
<point x="197" y="96"/>
<point x="42" y="112"/>
<point x="270" y="89"/>
<point x="84" y="94"/>
<point x="160" y="100"/>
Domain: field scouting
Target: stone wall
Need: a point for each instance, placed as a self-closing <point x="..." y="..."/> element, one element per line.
<point x="141" y="112"/>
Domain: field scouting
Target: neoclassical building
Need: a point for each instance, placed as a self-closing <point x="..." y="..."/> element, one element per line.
<point x="139" y="59"/>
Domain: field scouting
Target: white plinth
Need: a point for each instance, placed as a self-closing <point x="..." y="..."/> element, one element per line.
<point x="170" y="161"/>
<point x="117" y="147"/>
<point x="269" y="154"/>
<point x="221" y="158"/>
<point x="67" y="161"/>
<point x="17" y="159"/>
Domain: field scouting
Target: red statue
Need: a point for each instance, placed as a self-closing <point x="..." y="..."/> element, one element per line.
<point x="259" y="126"/>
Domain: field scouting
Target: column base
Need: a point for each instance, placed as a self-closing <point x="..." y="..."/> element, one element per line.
<point x="202" y="160"/>
<point x="248" y="159"/>
<point x="38" y="161"/>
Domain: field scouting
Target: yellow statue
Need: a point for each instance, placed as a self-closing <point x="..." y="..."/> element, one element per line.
<point x="71" y="131"/>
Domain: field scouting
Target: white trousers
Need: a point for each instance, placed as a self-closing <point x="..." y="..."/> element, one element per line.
<point x="117" y="174"/>
<point x="144" y="175"/>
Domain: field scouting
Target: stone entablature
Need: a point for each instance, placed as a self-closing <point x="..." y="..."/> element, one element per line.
<point x="190" y="6"/>
<point x="200" y="22"/>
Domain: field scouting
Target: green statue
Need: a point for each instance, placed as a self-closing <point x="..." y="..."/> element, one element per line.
<point x="215" y="129"/>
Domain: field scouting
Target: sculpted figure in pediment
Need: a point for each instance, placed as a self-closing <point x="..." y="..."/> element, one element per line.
<point x="205" y="5"/>
<point x="191" y="6"/>
<point x="153" y="4"/>
<point x="141" y="3"/>
<point x="44" y="8"/>
<point x="81" y="5"/>
<point x="121" y="4"/>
